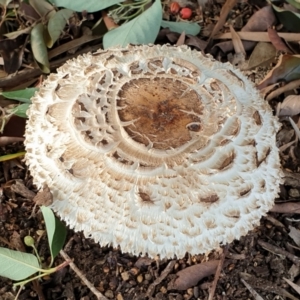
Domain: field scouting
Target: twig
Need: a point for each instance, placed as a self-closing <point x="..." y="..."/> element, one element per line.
<point x="217" y="274"/>
<point x="276" y="250"/>
<point x="82" y="277"/>
<point x="27" y="74"/>
<point x="289" y="86"/>
<point x="162" y="276"/>
<point x="259" y="36"/>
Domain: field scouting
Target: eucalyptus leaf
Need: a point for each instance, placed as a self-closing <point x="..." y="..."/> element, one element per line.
<point x="188" y="28"/>
<point x="8" y="157"/>
<point x="56" y="232"/>
<point x="43" y="8"/>
<point x="17" y="265"/>
<point x="141" y="30"/>
<point x="15" y="34"/>
<point x="39" y="48"/>
<point x="20" y="95"/>
<point x="290" y="19"/>
<point x="81" y="5"/>
<point x="4" y="3"/>
<point x="294" y="3"/>
<point x="21" y="110"/>
<point x="57" y="24"/>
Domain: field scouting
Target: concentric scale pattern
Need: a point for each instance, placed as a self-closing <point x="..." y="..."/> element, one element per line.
<point x="158" y="149"/>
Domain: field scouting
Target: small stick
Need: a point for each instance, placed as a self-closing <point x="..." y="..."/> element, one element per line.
<point x="217" y="274"/>
<point x="81" y="276"/>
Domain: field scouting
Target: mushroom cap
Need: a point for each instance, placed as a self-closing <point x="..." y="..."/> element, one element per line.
<point x="158" y="149"/>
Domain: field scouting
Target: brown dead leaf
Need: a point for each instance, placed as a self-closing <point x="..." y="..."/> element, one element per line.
<point x="287" y="208"/>
<point x="295" y="235"/>
<point x="290" y="106"/>
<point x="181" y="39"/>
<point x="28" y="12"/>
<point x="229" y="4"/>
<point x="259" y="36"/>
<point x="190" y="276"/>
<point x="196" y="42"/>
<point x="43" y="197"/>
<point x="19" y="187"/>
<point x="261" y="20"/>
<point x="16" y="242"/>
<point x="277" y="42"/>
<point x="263" y="54"/>
<point x="287" y="69"/>
<point x="280" y="90"/>
<point x="295" y="286"/>
<point x="143" y="262"/>
<point x="295" y="126"/>
<point x="6" y="140"/>
<point x="237" y="43"/>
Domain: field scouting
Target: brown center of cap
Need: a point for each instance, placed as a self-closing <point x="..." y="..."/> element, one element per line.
<point x="166" y="112"/>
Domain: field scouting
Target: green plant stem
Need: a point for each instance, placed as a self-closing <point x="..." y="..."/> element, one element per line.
<point x="43" y="273"/>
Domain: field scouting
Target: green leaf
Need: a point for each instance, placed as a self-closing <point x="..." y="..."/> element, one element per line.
<point x="43" y="8"/>
<point x="288" y="18"/>
<point x="39" y="48"/>
<point x="56" y="232"/>
<point x="17" y="265"/>
<point x="4" y="3"/>
<point x="295" y="3"/>
<point x="81" y="5"/>
<point x="15" y="34"/>
<point x="20" y="95"/>
<point x="57" y="24"/>
<point x="141" y="30"/>
<point x="188" y="28"/>
<point x="8" y="157"/>
<point x="20" y="110"/>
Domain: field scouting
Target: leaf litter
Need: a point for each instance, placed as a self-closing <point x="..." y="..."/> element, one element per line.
<point x="282" y="78"/>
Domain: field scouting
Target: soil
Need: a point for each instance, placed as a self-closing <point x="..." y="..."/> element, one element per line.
<point x="262" y="259"/>
<point x="123" y="276"/>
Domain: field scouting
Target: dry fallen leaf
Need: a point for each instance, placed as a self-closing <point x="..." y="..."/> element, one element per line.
<point x="290" y="106"/>
<point x="181" y="39"/>
<point x="295" y="235"/>
<point x="286" y="208"/>
<point x="277" y="42"/>
<point x="259" y="21"/>
<point x="296" y="287"/>
<point x="262" y="54"/>
<point x="6" y="140"/>
<point x="237" y="43"/>
<point x="190" y="276"/>
<point x="43" y="197"/>
<point x="287" y="69"/>
<point x="259" y="36"/>
<point x="296" y="128"/>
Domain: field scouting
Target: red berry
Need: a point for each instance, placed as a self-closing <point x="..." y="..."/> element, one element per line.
<point x="186" y="13"/>
<point x="174" y="8"/>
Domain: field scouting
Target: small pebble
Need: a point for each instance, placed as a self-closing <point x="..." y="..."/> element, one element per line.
<point x="109" y="294"/>
<point x="140" y="278"/>
<point x="125" y="276"/>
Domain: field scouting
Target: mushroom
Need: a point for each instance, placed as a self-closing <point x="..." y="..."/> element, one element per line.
<point x="157" y="149"/>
